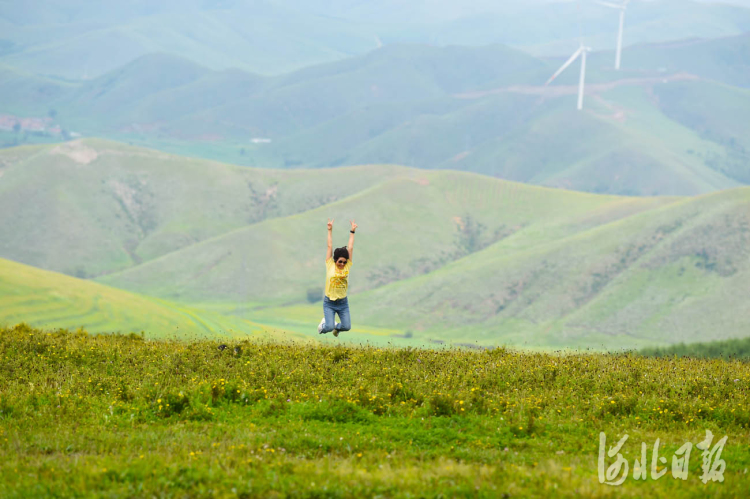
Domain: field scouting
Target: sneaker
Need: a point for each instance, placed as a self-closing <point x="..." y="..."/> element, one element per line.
<point x="320" y="326"/>
<point x="336" y="333"/>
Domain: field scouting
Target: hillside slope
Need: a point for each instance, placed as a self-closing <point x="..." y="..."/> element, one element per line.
<point x="676" y="273"/>
<point x="93" y="206"/>
<point x="724" y="59"/>
<point x="84" y="39"/>
<point x="412" y="224"/>
<point x="459" y="257"/>
<point x="51" y="300"/>
<point x="444" y="254"/>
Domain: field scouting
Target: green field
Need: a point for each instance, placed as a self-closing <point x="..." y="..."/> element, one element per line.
<point x="51" y="300"/>
<point x="116" y="416"/>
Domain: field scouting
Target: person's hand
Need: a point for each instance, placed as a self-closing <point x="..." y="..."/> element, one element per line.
<point x="354" y="224"/>
<point x="330" y="224"/>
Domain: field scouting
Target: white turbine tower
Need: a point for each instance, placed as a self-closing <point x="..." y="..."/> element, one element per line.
<point x="621" y="7"/>
<point x="582" y="50"/>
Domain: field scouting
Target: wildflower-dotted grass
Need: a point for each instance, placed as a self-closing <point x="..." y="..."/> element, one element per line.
<point x="119" y="416"/>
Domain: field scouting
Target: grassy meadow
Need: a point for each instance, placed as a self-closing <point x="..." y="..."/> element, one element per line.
<point x="117" y="416"/>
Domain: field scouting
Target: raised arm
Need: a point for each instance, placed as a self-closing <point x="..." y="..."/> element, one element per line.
<point x="350" y="247"/>
<point x="329" y="253"/>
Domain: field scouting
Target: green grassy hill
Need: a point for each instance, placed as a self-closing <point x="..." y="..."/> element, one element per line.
<point x="716" y="112"/>
<point x="91" y="207"/>
<point x="443" y="255"/>
<point x="674" y="273"/>
<point x="138" y="93"/>
<point x="475" y="109"/>
<point x="459" y="258"/>
<point x="620" y="144"/>
<point x="439" y="251"/>
<point x="51" y="300"/>
<point x="416" y="222"/>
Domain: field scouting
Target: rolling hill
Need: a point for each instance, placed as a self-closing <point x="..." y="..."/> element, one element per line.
<point x="459" y="257"/>
<point x="417" y="222"/>
<point x="441" y="255"/>
<point x="91" y="207"/>
<point x="726" y="59"/>
<point x="480" y="109"/>
<point x="674" y="273"/>
<point x="139" y="94"/>
<point x="84" y="39"/>
<point x="460" y="249"/>
<point x="51" y="300"/>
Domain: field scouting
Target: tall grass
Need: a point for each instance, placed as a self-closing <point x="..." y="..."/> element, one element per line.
<point x="119" y="416"/>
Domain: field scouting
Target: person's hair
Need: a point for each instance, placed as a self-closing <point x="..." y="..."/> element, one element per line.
<point x="339" y="253"/>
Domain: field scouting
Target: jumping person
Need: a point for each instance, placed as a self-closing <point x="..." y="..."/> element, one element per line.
<point x="338" y="264"/>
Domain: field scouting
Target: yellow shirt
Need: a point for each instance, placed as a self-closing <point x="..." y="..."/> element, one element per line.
<point x="337" y="281"/>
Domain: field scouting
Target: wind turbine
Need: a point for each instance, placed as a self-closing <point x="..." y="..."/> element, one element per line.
<point x="582" y="50"/>
<point x="621" y="7"/>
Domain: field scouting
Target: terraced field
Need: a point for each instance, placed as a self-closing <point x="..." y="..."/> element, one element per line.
<point x="52" y="300"/>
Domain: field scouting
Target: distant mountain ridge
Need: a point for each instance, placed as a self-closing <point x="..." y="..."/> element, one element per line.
<point x="479" y="109"/>
<point x="81" y="39"/>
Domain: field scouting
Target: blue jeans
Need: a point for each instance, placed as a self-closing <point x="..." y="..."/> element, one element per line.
<point x="331" y="307"/>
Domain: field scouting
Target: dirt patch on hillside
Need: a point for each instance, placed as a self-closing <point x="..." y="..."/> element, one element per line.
<point x="77" y="151"/>
<point x="137" y="203"/>
<point x="460" y="156"/>
<point x="619" y="113"/>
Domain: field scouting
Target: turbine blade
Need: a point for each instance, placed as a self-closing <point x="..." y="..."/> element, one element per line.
<point x="618" y="53"/>
<point x="582" y="80"/>
<point x="564" y="66"/>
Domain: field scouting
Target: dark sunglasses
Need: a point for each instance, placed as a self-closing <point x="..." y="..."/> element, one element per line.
<point x="341" y="262"/>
